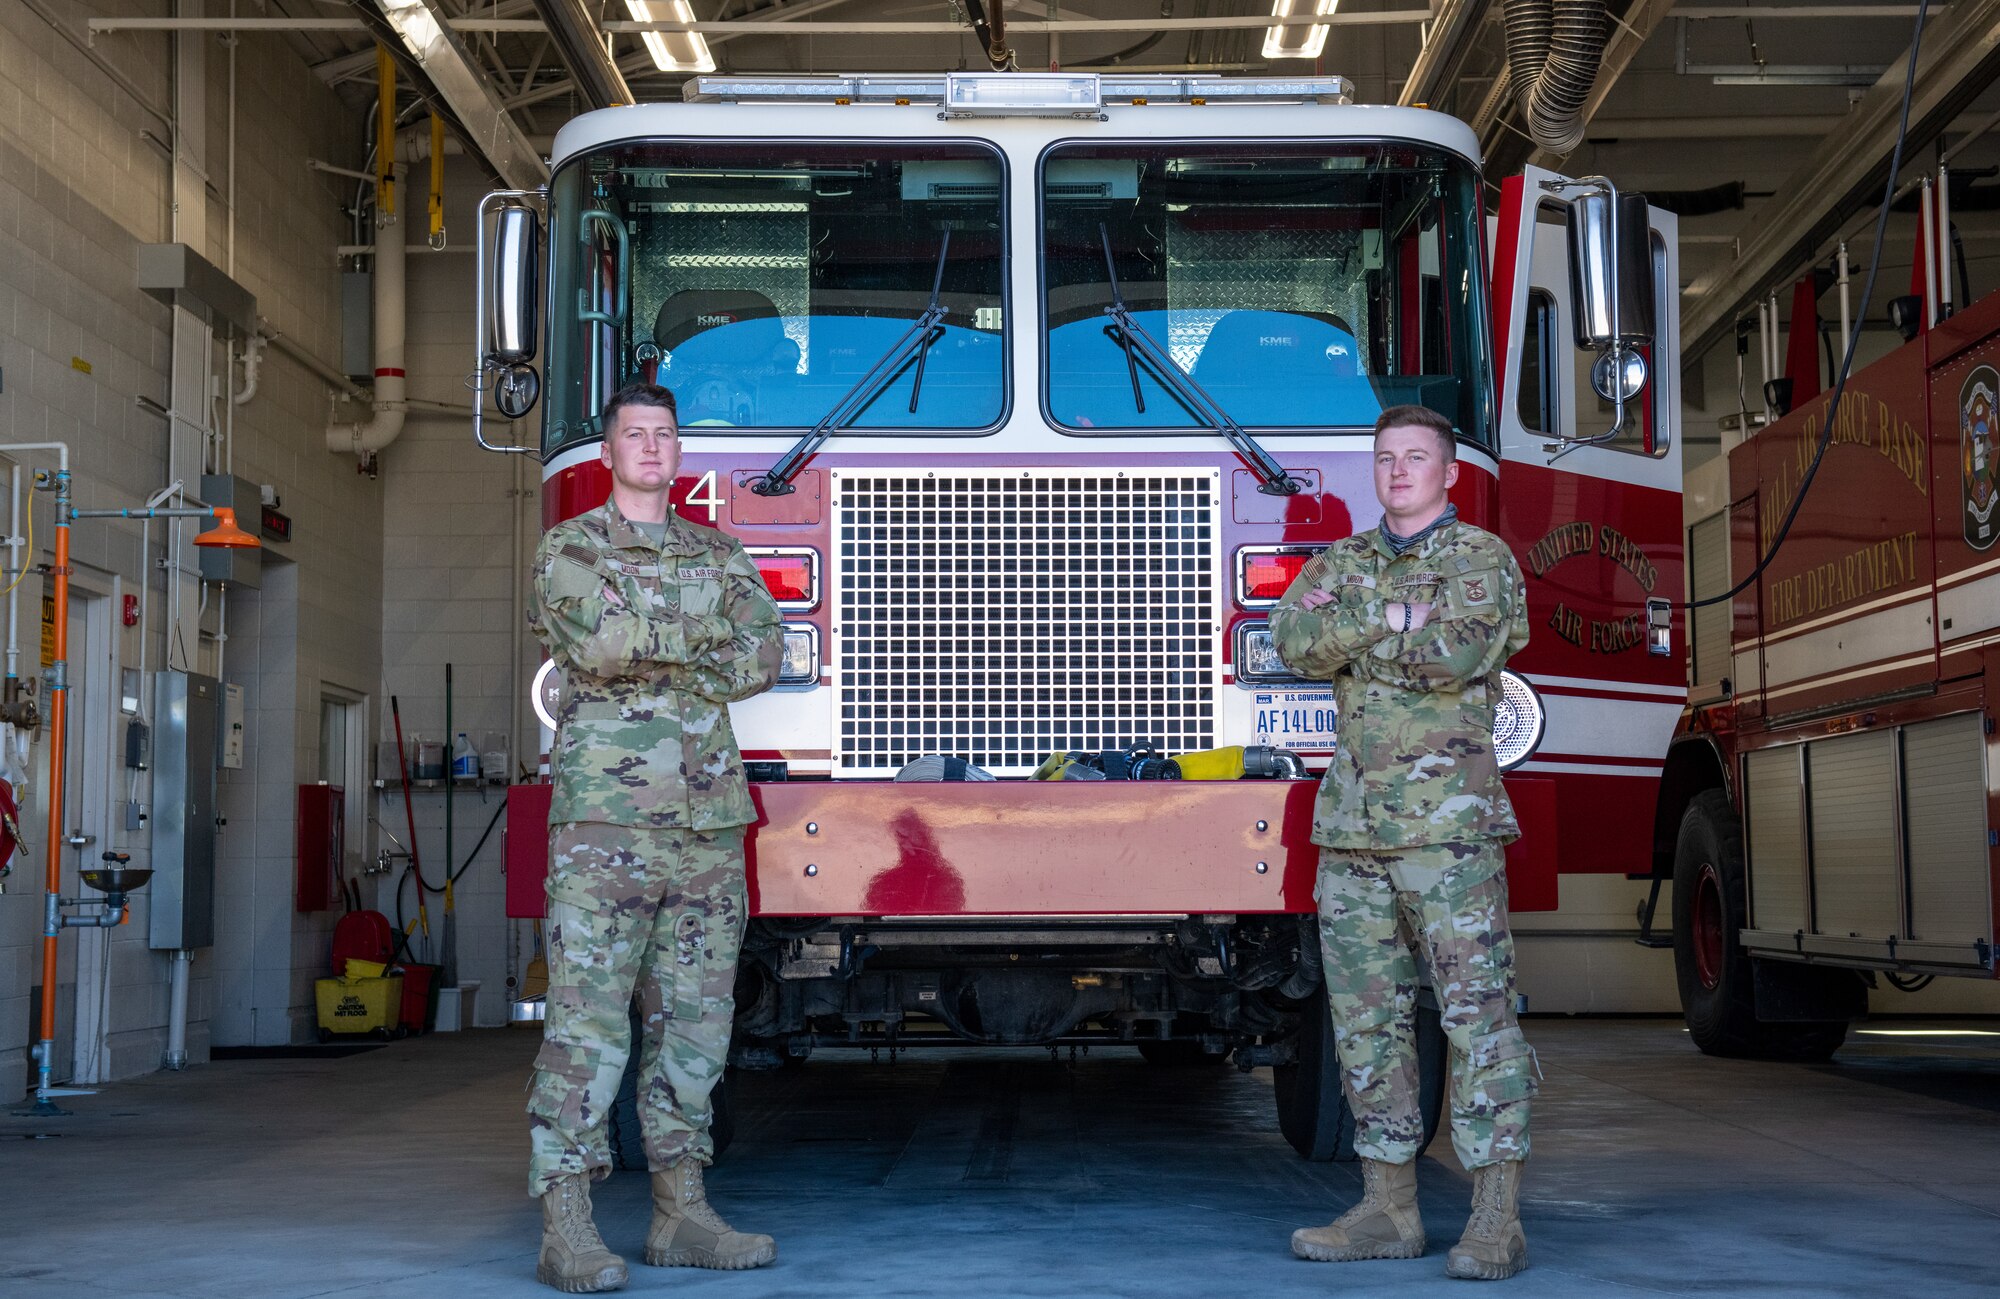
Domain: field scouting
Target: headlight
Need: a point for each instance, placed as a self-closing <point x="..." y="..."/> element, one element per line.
<point x="1257" y="661"/>
<point x="801" y="663"/>
<point x="1518" y="721"/>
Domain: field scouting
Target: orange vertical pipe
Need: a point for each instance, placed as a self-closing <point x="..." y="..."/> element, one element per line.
<point x="58" y="717"/>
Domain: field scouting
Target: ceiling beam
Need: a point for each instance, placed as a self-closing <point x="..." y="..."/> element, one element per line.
<point x="1960" y="56"/>
<point x="362" y="62"/>
<point x="640" y="63"/>
<point x="1437" y="68"/>
<point x="581" y="47"/>
<point x="423" y="26"/>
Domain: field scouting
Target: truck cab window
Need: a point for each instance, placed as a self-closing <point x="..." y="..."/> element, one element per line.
<point x="760" y="279"/>
<point x="1304" y="286"/>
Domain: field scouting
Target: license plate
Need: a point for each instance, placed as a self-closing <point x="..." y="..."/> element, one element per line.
<point x="1297" y="719"/>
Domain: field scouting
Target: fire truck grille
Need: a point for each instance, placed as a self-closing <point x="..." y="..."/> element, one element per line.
<point x="1001" y="616"/>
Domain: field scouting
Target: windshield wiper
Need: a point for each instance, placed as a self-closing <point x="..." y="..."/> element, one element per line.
<point x="1132" y="338"/>
<point x="914" y="344"/>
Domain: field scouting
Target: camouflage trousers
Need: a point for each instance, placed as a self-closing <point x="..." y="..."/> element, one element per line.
<point x="659" y="912"/>
<point x="1446" y="905"/>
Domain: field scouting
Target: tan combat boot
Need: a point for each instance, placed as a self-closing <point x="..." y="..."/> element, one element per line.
<point x="1385" y="1224"/>
<point x="688" y="1232"/>
<point x="574" y="1259"/>
<point x="1493" y="1247"/>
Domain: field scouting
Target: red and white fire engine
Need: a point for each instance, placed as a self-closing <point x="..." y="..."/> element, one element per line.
<point x="1827" y="811"/>
<point x="1030" y="394"/>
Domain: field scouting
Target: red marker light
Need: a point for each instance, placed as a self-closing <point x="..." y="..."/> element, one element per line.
<point x="792" y="577"/>
<point x="1262" y="576"/>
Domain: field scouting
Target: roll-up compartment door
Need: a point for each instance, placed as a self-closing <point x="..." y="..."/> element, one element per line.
<point x="1774" y="801"/>
<point x="1944" y="782"/>
<point x="1851" y="783"/>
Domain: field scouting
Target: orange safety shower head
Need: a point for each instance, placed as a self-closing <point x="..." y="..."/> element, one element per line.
<point x="225" y="533"/>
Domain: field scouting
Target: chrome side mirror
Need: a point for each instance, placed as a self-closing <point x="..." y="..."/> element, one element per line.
<point x="512" y="323"/>
<point x="1610" y="269"/>
<point x="506" y="321"/>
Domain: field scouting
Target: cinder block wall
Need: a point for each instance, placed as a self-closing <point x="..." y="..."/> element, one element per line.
<point x="84" y="179"/>
<point x="451" y="574"/>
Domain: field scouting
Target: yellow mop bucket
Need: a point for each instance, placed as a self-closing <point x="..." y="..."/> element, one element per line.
<point x="359" y="1005"/>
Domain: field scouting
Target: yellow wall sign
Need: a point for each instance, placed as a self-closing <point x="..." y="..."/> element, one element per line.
<point x="48" y="628"/>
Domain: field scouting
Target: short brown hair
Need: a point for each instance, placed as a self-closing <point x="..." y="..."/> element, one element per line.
<point x="640" y="394"/>
<point x="1420" y="417"/>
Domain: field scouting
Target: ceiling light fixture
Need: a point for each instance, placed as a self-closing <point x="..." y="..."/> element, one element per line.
<point x="1297" y="42"/>
<point x="672" y="51"/>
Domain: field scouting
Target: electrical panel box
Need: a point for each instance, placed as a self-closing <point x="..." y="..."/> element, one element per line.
<point x="357" y="323"/>
<point x="243" y="565"/>
<point x="186" y="710"/>
<point x="232" y="726"/>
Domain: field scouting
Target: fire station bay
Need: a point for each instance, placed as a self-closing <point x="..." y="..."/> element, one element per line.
<point x="1129" y="648"/>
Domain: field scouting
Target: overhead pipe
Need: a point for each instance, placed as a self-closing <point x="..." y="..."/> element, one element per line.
<point x="391" y="383"/>
<point x="253" y="360"/>
<point x="1554" y="49"/>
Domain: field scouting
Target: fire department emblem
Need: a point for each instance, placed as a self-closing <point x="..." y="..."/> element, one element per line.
<point x="1475" y="590"/>
<point x="1978" y="446"/>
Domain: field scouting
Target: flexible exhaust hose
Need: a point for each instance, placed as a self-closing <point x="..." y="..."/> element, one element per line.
<point x="1554" y="48"/>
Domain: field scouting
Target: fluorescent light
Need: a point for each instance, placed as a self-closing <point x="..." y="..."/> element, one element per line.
<point x="674" y="51"/>
<point x="1297" y="42"/>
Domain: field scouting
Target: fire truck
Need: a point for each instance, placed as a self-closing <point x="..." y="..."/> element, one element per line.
<point x="1827" y="811"/>
<point x="1029" y="394"/>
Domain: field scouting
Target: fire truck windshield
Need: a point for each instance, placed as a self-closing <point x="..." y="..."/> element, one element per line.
<point x="759" y="280"/>
<point x="1304" y="286"/>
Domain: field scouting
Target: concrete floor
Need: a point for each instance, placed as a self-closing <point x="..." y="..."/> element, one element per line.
<point x="399" y="1172"/>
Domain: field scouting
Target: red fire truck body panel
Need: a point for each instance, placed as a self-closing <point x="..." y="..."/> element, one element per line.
<point x="1857" y="740"/>
<point x="877" y="848"/>
<point x="1014" y="848"/>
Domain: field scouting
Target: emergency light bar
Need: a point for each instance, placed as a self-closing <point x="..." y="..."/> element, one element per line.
<point x="1019" y="94"/>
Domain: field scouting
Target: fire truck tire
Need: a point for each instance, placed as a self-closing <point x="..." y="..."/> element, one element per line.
<point x="1313" y="1113"/>
<point x="1717" y="983"/>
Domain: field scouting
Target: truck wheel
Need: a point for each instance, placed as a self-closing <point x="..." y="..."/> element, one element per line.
<point x="1718" y="998"/>
<point x="627" y="1140"/>
<point x="1312" y="1107"/>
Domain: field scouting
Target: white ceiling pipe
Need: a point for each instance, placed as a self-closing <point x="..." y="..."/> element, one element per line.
<point x="391" y="385"/>
<point x="253" y="361"/>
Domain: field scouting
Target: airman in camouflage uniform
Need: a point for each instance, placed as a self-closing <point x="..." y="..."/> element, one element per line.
<point x="1412" y="824"/>
<point x="657" y="627"/>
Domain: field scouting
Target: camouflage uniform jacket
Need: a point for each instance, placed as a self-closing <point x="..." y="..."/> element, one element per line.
<point x="654" y="643"/>
<point x="1415" y="760"/>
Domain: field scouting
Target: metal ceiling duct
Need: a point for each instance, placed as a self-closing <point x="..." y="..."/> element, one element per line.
<point x="1554" y="48"/>
<point x="422" y="35"/>
<point x="574" y="30"/>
